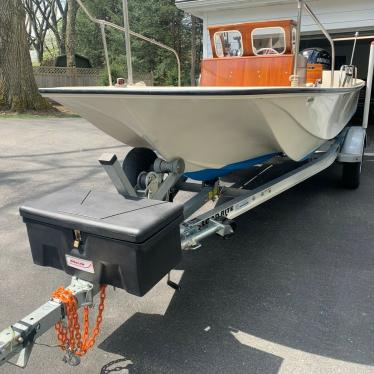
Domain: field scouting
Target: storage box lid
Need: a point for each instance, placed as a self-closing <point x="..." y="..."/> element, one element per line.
<point x="105" y="214"/>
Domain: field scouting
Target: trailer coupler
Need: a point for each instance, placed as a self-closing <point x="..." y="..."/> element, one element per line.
<point x="19" y="338"/>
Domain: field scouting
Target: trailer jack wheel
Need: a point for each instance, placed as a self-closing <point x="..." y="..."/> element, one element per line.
<point x="351" y="174"/>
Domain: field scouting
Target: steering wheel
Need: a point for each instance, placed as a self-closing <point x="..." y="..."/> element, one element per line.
<point x="267" y="51"/>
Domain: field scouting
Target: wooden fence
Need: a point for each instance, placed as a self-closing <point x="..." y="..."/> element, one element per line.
<point x="50" y="76"/>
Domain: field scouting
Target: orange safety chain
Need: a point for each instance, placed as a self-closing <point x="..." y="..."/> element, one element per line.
<point x="70" y="337"/>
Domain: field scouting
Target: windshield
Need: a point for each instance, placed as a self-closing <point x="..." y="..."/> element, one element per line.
<point x="268" y="40"/>
<point x="228" y="43"/>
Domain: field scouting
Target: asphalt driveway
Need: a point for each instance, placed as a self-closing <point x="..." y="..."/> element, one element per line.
<point x="291" y="292"/>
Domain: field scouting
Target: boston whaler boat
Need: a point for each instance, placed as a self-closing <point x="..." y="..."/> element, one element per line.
<point x="244" y="109"/>
<point x="260" y="104"/>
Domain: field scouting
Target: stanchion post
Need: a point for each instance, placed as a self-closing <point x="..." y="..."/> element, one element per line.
<point x="369" y="85"/>
<point x="127" y="42"/>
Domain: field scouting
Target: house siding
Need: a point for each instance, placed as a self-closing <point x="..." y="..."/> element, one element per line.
<point x="336" y="15"/>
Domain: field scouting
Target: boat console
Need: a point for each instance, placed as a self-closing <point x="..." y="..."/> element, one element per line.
<point x="256" y="54"/>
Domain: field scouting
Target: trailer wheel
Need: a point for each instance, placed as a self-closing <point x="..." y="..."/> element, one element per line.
<point x="351" y="174"/>
<point x="137" y="161"/>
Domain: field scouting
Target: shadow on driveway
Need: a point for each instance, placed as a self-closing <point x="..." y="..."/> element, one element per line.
<point x="293" y="283"/>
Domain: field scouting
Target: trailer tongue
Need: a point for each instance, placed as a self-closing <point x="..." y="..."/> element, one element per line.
<point x="19" y="338"/>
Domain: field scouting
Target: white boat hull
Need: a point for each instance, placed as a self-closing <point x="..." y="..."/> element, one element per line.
<point x="212" y="128"/>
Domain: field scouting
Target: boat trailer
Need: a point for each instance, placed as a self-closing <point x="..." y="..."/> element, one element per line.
<point x="132" y="239"/>
<point x="143" y="231"/>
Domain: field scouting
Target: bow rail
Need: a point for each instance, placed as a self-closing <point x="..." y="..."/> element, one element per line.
<point x="127" y="32"/>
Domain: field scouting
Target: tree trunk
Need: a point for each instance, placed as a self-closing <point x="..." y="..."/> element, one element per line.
<point x="60" y="34"/>
<point x="18" y="90"/>
<point x="62" y="44"/>
<point x="70" y="33"/>
<point x="193" y="50"/>
<point x="40" y="53"/>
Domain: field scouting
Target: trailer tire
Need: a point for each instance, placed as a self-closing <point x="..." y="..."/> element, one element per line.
<point x="351" y="174"/>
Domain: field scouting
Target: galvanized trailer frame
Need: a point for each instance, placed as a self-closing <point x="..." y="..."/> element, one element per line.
<point x="231" y="202"/>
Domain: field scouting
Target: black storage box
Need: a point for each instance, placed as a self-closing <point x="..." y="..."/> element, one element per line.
<point x="128" y="243"/>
